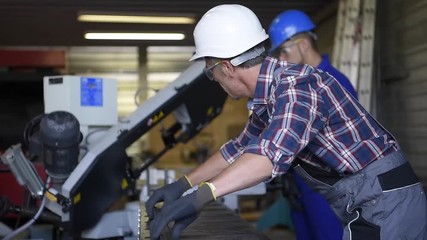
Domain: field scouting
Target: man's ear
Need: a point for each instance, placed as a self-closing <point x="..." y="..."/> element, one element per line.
<point x="304" y="44"/>
<point x="227" y="67"/>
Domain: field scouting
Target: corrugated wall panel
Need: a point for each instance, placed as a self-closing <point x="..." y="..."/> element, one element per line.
<point x="402" y="99"/>
<point x="415" y="58"/>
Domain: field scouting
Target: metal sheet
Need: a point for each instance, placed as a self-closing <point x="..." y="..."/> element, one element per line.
<point x="215" y="222"/>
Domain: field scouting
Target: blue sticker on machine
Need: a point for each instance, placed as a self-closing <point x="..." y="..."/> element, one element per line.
<point x="91" y="91"/>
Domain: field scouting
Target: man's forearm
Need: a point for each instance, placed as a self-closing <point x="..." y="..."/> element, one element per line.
<point x="246" y="171"/>
<point x="209" y="169"/>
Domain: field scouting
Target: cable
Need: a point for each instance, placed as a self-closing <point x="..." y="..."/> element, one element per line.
<point x="86" y="140"/>
<point x="29" y="128"/>
<point x="138" y="92"/>
<point x="31" y="222"/>
<point x="28" y="224"/>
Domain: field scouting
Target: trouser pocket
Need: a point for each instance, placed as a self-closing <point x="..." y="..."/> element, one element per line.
<point x="399" y="177"/>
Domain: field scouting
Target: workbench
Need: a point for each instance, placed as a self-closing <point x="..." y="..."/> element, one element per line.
<point x="218" y="222"/>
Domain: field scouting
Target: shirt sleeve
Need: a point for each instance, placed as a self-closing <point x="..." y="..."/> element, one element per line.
<point x="235" y="147"/>
<point x="297" y="116"/>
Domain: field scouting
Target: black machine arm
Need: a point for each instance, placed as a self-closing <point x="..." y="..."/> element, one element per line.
<point x="101" y="178"/>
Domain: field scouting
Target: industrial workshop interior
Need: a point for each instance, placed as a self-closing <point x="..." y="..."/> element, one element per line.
<point x="140" y="115"/>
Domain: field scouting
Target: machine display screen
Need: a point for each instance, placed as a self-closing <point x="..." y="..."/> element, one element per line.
<point x="91" y="91"/>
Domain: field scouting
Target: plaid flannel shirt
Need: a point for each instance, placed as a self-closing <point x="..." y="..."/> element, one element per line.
<point x="300" y="111"/>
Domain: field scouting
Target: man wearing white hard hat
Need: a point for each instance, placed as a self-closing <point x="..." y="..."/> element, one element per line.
<point x="298" y="112"/>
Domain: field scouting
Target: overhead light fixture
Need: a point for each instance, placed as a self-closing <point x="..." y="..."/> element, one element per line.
<point x="113" y="18"/>
<point x="133" y="36"/>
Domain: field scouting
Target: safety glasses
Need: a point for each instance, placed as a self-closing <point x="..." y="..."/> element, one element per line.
<point x="208" y="71"/>
<point x="287" y="49"/>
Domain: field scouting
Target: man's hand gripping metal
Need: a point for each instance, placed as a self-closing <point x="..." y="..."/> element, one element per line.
<point x="182" y="211"/>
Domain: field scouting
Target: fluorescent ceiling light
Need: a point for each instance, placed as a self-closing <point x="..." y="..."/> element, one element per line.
<point x="135" y="19"/>
<point x="134" y="36"/>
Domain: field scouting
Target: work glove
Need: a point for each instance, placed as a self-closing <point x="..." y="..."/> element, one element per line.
<point x="183" y="211"/>
<point x="167" y="194"/>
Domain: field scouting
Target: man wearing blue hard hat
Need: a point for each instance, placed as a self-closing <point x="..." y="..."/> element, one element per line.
<point x="292" y="39"/>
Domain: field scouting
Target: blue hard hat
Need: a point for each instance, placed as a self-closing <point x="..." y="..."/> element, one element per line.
<point x="286" y="25"/>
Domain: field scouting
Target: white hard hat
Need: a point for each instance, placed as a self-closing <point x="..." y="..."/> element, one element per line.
<point x="226" y="31"/>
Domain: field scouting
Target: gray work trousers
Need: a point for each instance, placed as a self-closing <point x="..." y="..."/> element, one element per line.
<point x="385" y="200"/>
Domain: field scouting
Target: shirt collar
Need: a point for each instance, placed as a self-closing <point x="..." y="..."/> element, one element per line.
<point x="265" y="78"/>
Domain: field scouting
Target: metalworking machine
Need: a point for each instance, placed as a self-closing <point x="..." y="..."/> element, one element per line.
<point x="82" y="187"/>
